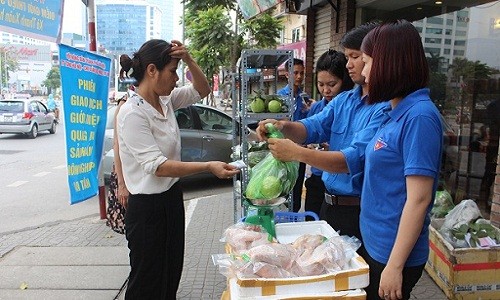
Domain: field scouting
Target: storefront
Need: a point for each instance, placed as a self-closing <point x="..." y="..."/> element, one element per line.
<point x="458" y="37"/>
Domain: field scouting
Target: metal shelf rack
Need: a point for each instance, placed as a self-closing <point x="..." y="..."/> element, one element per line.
<point x="256" y="69"/>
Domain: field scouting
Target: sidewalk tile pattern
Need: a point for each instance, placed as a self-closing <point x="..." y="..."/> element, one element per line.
<point x="200" y="279"/>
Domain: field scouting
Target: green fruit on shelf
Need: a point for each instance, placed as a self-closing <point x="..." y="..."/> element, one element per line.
<point x="258" y="105"/>
<point x="274" y="106"/>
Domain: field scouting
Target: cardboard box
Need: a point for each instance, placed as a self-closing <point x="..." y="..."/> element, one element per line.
<point x="463" y="273"/>
<point x="355" y="276"/>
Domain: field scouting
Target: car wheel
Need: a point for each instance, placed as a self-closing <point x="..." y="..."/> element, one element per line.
<point x="53" y="128"/>
<point x="34" y="132"/>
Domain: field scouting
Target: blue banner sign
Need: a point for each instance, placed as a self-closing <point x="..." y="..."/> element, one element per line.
<point x="38" y="19"/>
<point x="85" y="84"/>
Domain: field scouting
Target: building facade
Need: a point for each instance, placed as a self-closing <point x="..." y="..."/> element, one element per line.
<point x="465" y="31"/>
<point x="123" y="26"/>
<point x="34" y="63"/>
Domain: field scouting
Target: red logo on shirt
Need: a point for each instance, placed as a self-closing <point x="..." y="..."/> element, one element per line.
<point x="379" y="144"/>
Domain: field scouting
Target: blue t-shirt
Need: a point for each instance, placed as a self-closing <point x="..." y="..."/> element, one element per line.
<point x="409" y="142"/>
<point x="298" y="114"/>
<point x="316" y="108"/>
<point x="348" y="124"/>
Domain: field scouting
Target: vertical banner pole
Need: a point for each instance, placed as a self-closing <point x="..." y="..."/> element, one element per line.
<point x="93" y="48"/>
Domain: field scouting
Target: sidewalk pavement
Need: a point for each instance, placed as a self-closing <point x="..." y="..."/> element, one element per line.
<point x="84" y="259"/>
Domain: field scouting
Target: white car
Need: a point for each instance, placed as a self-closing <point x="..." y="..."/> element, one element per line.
<point x="26" y="116"/>
<point x="206" y="135"/>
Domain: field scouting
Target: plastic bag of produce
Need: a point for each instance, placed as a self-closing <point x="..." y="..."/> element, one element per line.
<point x="443" y="203"/>
<point x="271" y="178"/>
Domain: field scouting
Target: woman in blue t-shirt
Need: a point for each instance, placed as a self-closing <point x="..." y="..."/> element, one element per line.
<point x="332" y="78"/>
<point x="402" y="161"/>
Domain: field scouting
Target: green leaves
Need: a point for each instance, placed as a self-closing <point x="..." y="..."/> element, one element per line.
<point x="476" y="230"/>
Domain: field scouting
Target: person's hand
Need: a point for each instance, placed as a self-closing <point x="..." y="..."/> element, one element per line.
<point x="222" y="170"/>
<point x="262" y="131"/>
<point x="391" y="282"/>
<point x="284" y="149"/>
<point x="179" y="51"/>
<point x="123" y="194"/>
<point x="307" y="105"/>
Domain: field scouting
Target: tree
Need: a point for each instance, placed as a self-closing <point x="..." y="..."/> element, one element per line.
<point x="262" y="32"/>
<point x="194" y="6"/>
<point x="214" y="39"/>
<point x="53" y="80"/>
<point x="462" y="67"/>
<point x="437" y="80"/>
<point x="8" y="64"/>
<point x="209" y="39"/>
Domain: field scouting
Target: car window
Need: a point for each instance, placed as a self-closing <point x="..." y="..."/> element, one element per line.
<point x="34" y="107"/>
<point x="184" y="118"/>
<point x="212" y="120"/>
<point x="12" y="106"/>
<point x="42" y="107"/>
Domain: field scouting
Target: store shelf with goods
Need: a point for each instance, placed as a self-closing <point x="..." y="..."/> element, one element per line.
<point x="257" y="79"/>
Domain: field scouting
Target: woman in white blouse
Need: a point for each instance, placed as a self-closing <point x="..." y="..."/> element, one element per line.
<point x="150" y="151"/>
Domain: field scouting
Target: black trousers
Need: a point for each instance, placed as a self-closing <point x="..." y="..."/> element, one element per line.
<point x="155" y="233"/>
<point x="315" y="193"/>
<point x="297" y="188"/>
<point x="342" y="218"/>
<point x="411" y="275"/>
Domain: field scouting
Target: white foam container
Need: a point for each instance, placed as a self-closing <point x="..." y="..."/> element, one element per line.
<point x="354" y="277"/>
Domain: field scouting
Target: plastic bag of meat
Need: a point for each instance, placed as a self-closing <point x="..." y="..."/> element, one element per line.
<point x="276" y="254"/>
<point x="243" y="236"/>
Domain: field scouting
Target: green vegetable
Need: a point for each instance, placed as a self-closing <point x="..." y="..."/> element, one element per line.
<point x="271" y="187"/>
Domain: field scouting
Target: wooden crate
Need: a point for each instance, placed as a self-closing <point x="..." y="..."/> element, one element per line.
<point x="463" y="273"/>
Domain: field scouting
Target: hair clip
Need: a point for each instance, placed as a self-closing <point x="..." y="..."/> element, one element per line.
<point x="130" y="72"/>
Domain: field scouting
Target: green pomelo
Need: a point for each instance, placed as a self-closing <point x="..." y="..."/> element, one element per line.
<point x="274" y="106"/>
<point x="271" y="187"/>
<point x="258" y="105"/>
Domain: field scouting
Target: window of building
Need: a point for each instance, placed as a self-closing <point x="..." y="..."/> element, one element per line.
<point x="432" y="51"/>
<point x="433" y="41"/>
<point x="431" y="30"/>
<point x="435" y="20"/>
<point x="459" y="43"/>
<point x="295" y="34"/>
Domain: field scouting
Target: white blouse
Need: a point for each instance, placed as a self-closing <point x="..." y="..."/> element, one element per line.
<point x="147" y="139"/>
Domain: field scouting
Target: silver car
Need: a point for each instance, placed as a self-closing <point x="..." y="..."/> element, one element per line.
<point x="206" y="134"/>
<point x="26" y="116"/>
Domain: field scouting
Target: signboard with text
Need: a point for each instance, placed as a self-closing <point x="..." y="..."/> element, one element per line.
<point x="38" y="19"/>
<point x="85" y="84"/>
<point x="252" y="8"/>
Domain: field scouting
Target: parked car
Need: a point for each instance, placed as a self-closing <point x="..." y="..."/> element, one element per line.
<point x="26" y="116"/>
<point x="206" y="134"/>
